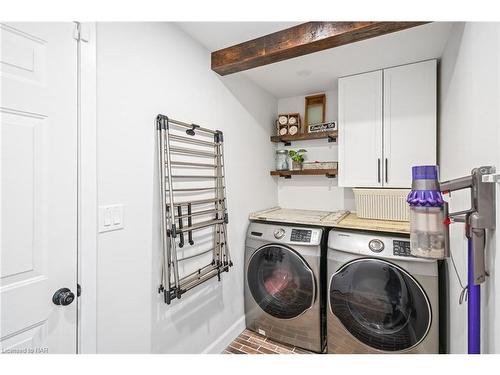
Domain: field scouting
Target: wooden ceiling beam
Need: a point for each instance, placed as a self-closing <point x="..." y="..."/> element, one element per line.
<point x="298" y="41"/>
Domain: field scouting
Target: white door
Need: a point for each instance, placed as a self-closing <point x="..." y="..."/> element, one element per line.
<point x="39" y="186"/>
<point x="409" y="120"/>
<point x="360" y="130"/>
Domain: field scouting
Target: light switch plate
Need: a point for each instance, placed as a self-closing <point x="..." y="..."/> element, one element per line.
<point x="110" y="217"/>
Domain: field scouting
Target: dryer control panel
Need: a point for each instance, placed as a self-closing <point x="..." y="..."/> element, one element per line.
<point x="373" y="244"/>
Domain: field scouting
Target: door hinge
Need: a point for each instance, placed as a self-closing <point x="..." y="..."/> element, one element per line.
<point x="81" y="33"/>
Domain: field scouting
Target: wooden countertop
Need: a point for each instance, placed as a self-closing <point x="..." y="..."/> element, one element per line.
<point x="352" y="221"/>
<point x="336" y="219"/>
<point x="296" y="216"/>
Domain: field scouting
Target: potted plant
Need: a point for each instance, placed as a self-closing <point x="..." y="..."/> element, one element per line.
<point x="297" y="158"/>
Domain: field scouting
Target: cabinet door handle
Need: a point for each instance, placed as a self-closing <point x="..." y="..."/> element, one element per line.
<point x="378" y="170"/>
<point x="386" y="172"/>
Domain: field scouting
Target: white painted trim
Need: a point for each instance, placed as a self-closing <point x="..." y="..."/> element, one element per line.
<point x="226" y="338"/>
<point x="87" y="189"/>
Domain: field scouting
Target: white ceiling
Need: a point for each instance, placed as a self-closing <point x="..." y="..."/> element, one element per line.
<point x="218" y="35"/>
<point x="319" y="71"/>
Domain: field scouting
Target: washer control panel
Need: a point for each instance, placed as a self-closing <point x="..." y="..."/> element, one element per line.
<point x="401" y="248"/>
<point x="301" y="235"/>
<point x="285" y="234"/>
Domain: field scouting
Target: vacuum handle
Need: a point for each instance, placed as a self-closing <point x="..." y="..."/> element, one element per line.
<point x="478" y="236"/>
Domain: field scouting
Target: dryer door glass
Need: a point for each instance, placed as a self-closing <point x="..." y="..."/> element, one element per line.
<point x="280" y="281"/>
<point x="380" y="304"/>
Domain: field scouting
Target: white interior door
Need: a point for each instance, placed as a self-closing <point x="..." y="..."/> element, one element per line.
<point x="39" y="186"/>
<point x="410" y="120"/>
<point x="360" y="130"/>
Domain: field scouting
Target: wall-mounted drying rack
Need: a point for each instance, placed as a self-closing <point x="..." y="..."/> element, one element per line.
<point x="185" y="208"/>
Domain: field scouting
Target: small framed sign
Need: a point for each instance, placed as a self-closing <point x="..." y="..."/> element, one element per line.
<point x="322" y="127"/>
<point x="314" y="110"/>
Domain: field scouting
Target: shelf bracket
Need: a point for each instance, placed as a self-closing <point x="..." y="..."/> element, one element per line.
<point x="330" y="175"/>
<point x="332" y="138"/>
<point x="287" y="143"/>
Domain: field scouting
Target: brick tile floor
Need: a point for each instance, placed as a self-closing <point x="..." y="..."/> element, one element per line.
<point x="249" y="342"/>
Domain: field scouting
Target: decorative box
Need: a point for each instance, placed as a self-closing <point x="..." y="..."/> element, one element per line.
<point x="288" y="124"/>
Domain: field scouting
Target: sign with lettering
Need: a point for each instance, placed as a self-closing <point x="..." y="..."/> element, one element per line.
<point x="323" y="127"/>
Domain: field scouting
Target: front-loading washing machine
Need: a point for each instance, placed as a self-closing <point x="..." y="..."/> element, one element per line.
<point x="284" y="299"/>
<point x="380" y="298"/>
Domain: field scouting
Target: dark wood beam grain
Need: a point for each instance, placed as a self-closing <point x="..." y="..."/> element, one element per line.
<point x="297" y="41"/>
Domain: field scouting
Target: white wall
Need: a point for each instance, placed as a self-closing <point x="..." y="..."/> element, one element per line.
<point x="313" y="192"/>
<point x="145" y="69"/>
<point x="469" y="137"/>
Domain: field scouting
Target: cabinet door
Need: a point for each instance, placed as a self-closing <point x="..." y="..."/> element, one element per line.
<point x="409" y="120"/>
<point x="360" y="130"/>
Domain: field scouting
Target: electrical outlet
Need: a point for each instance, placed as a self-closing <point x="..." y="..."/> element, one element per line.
<point x="110" y="217"/>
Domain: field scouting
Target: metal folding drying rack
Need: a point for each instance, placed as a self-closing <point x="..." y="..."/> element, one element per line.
<point x="175" y="214"/>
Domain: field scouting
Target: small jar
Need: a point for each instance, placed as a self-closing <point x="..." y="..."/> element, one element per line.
<point x="281" y="160"/>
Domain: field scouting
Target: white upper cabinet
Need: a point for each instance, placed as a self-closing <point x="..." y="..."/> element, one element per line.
<point x="387" y="124"/>
<point x="409" y="120"/>
<point x="360" y="130"/>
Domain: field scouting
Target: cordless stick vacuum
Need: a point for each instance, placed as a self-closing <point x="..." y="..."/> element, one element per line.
<point x="429" y="229"/>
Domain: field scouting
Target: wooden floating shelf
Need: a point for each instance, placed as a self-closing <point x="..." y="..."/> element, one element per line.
<point x="287" y="139"/>
<point x="330" y="173"/>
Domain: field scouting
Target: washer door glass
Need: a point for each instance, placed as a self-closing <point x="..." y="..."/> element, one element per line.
<point x="380" y="304"/>
<point x="280" y="281"/>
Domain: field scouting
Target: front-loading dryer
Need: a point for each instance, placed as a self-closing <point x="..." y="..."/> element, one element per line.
<point x="380" y="298"/>
<point x="283" y="295"/>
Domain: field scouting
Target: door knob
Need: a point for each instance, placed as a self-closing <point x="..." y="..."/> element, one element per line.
<point x="63" y="297"/>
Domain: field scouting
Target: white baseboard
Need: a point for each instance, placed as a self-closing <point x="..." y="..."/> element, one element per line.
<point x="226" y="338"/>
